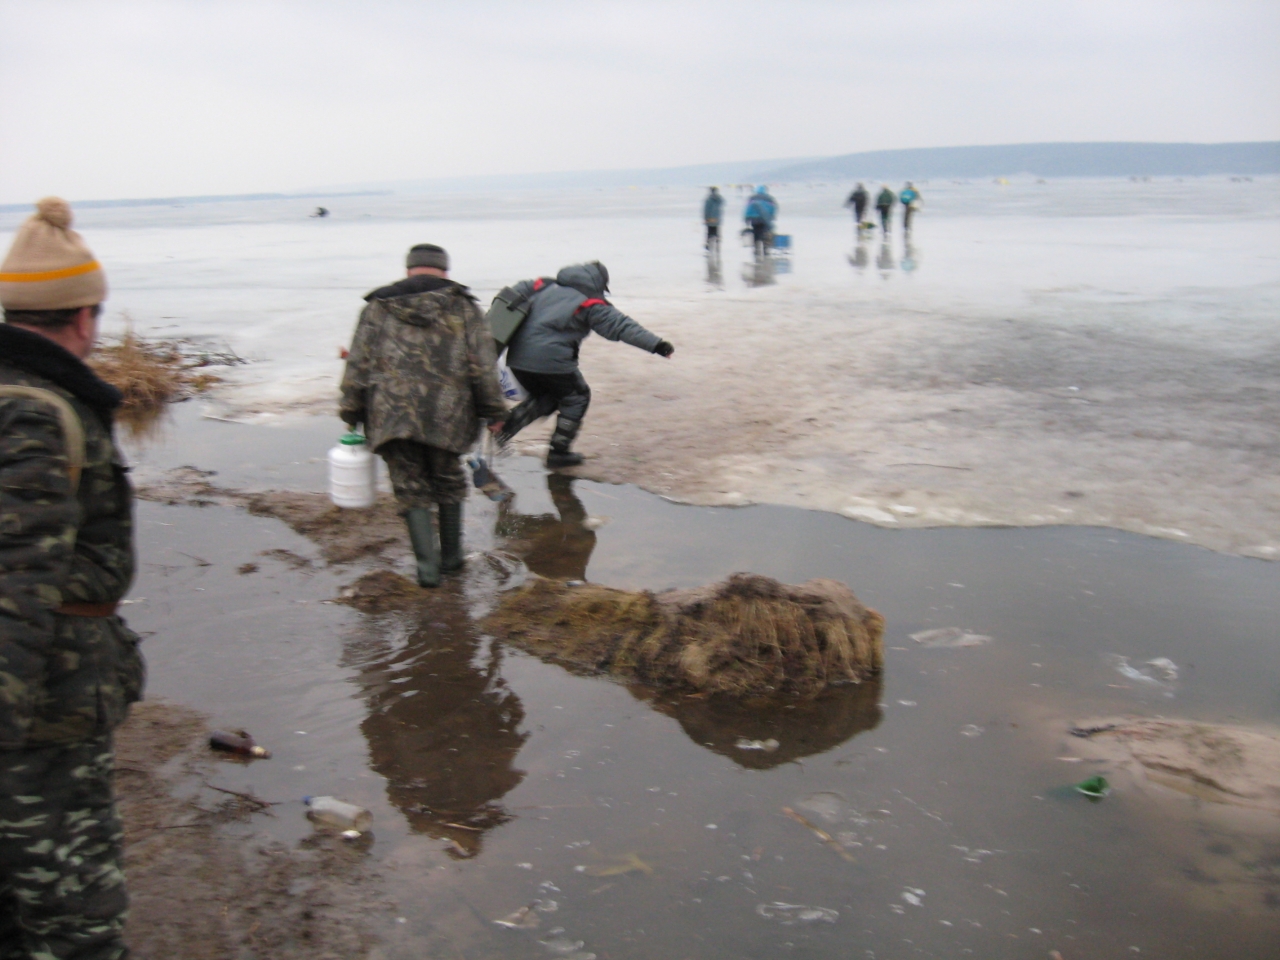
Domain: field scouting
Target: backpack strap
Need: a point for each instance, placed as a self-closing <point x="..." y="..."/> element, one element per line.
<point x="72" y="427"/>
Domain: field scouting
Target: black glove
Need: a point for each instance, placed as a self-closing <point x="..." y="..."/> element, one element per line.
<point x="664" y="349"/>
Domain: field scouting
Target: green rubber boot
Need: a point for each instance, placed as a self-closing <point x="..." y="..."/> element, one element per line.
<point x="423" y="538"/>
<point x="450" y="537"/>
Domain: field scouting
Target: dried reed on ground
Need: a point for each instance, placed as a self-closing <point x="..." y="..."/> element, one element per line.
<point x="153" y="372"/>
<point x="748" y="635"/>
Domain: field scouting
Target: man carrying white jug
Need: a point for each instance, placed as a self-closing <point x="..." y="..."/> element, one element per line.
<point x="420" y="375"/>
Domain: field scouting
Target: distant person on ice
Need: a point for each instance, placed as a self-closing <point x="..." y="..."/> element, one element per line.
<point x="910" y="198"/>
<point x="858" y="200"/>
<point x="761" y="212"/>
<point x="420" y="374"/>
<point x="884" y="206"/>
<point x="543" y="352"/>
<point x="712" y="213"/>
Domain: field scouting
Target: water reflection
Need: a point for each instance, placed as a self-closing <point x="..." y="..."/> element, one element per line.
<point x="760" y="272"/>
<point x="737" y="729"/>
<point x="910" y="258"/>
<point x="553" y="545"/>
<point x="143" y="425"/>
<point x="443" y="727"/>
<point x="715" y="269"/>
<point x="884" y="259"/>
<point x="860" y="258"/>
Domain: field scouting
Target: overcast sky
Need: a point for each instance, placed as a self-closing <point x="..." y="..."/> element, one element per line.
<point x="103" y="99"/>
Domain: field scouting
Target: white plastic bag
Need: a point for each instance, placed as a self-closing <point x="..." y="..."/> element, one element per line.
<point x="511" y="388"/>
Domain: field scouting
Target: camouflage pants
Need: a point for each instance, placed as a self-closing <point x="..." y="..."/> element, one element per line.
<point x="423" y="475"/>
<point x="62" y="891"/>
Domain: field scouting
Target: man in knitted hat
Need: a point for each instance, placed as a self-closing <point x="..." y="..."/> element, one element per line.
<point x="69" y="667"/>
<point x="420" y="374"/>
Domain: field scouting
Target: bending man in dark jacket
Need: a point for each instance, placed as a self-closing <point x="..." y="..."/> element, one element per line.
<point x="420" y="374"/>
<point x="543" y="354"/>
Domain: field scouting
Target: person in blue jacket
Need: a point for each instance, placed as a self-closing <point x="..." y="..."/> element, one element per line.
<point x="543" y="352"/>
<point x="761" y="212"/>
<point x="910" y="198"/>
<point x="712" y="211"/>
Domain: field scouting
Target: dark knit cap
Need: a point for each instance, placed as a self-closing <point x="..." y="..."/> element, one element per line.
<point x="427" y="255"/>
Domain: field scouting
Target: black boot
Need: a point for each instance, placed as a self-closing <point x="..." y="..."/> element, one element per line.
<point x="450" y="537"/>
<point x="423" y="538"/>
<point x="560" y="455"/>
<point x="519" y="417"/>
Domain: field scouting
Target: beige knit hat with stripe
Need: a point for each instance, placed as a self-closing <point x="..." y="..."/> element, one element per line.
<point x="49" y="267"/>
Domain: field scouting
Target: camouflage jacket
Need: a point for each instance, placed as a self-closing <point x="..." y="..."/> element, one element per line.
<point x="421" y="366"/>
<point x="62" y="678"/>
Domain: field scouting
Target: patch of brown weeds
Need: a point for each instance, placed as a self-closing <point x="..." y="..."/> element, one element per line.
<point x="151" y="373"/>
<point x="380" y="591"/>
<point x="749" y="635"/>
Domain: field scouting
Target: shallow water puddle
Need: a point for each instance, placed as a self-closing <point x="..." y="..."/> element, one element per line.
<point x="930" y="814"/>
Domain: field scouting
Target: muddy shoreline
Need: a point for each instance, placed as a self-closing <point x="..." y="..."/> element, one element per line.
<point x="200" y="893"/>
<point x="278" y="898"/>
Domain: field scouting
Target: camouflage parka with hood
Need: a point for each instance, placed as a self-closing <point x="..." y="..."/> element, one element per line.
<point x="421" y="366"/>
<point x="63" y="678"/>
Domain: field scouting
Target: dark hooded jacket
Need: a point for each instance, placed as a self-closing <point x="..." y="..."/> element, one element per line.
<point x="562" y="314"/>
<point x="63" y="678"/>
<point x="421" y="366"/>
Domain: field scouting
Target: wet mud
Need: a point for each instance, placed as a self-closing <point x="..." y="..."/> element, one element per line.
<point x="198" y="893"/>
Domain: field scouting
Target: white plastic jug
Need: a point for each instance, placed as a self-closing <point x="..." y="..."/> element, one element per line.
<point x="351" y="473"/>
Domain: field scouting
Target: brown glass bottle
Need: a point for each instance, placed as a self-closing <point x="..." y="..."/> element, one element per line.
<point x="237" y="742"/>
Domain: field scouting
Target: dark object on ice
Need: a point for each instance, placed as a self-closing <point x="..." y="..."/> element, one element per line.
<point x="1095" y="788"/>
<point x="320" y="212"/>
<point x="747" y="636"/>
<point x="237" y="742"/>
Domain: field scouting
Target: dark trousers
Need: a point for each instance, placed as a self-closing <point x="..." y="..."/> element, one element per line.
<point x="885" y="213"/>
<point x="713" y="233"/>
<point x="907" y="214"/>
<point x="761" y="235"/>
<point x="549" y="392"/>
<point x="61" y="886"/>
<point x="423" y="475"/>
<point x="858" y="210"/>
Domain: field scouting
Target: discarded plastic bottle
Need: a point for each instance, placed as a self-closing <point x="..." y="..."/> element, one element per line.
<point x="1095" y="788"/>
<point x="338" y="813"/>
<point x="238" y="742"/>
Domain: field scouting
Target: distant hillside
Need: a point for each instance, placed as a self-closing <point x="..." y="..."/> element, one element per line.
<point x="698" y="174"/>
<point x="1040" y="159"/>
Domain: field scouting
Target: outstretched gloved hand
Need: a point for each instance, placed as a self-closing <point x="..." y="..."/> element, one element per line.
<point x="664" y="349"/>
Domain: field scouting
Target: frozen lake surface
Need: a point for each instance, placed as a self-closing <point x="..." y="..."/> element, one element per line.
<point x="1089" y="352"/>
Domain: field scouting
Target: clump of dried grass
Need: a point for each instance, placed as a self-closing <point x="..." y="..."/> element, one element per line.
<point x="148" y="373"/>
<point x="749" y="635"/>
<point x="151" y="373"/>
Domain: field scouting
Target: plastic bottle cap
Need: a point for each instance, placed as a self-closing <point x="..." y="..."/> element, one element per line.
<point x="351" y="439"/>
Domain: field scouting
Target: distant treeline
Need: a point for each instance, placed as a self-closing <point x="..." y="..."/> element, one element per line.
<point x="1042" y="160"/>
